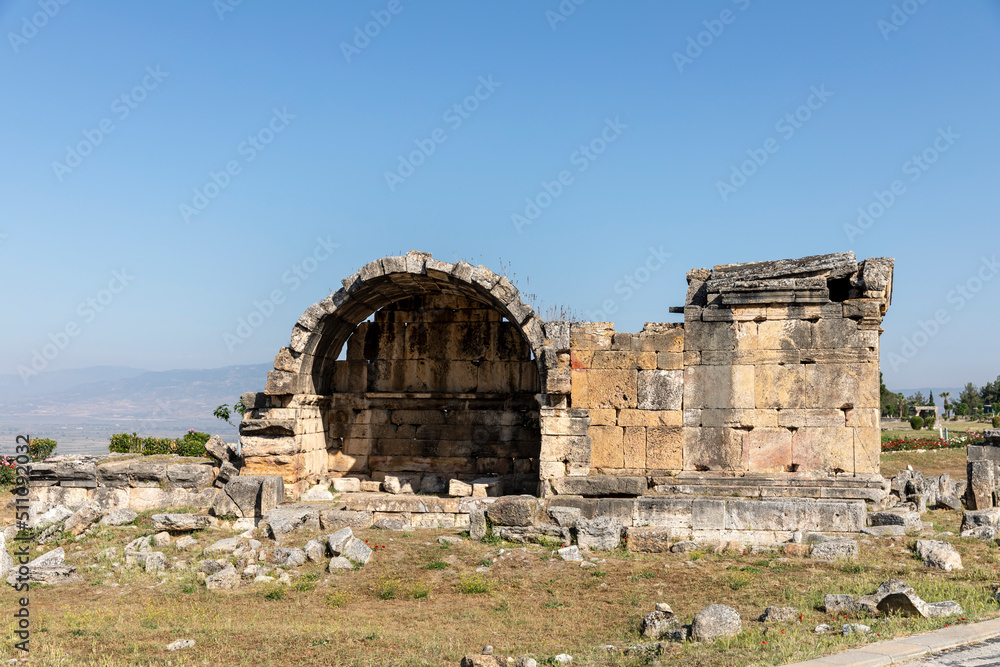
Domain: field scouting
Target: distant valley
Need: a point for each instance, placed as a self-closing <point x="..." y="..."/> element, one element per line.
<point x="82" y="408"/>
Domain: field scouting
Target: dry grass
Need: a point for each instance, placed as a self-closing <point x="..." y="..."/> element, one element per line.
<point x="402" y="610"/>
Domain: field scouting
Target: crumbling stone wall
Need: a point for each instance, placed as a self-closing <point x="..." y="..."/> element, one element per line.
<point x="769" y="387"/>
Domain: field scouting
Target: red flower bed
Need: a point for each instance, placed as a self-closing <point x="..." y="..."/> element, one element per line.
<point x="957" y="440"/>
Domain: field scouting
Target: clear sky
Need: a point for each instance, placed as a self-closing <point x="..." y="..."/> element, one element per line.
<point x="167" y="165"/>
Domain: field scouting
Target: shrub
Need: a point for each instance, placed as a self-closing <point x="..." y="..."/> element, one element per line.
<point x="929" y="422"/>
<point x="8" y="472"/>
<point x="916" y="422"/>
<point x="996" y="421"/>
<point x="40" y="449"/>
<point x="474" y="585"/>
<point x="193" y="443"/>
<point x="125" y="443"/>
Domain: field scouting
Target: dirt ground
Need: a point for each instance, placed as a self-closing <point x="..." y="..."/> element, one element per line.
<point x="419" y="602"/>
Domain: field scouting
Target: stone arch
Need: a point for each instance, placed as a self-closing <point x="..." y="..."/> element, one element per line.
<point x="306" y="365"/>
<point x="288" y="428"/>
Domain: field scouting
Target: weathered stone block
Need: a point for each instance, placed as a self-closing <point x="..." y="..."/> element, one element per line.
<point x="601" y="485"/>
<point x="714" y="448"/>
<point x="610" y="389"/>
<point x="770" y="449"/>
<point x="634" y="447"/>
<point x="191" y="475"/>
<point x="823" y="450"/>
<point x="841" y="386"/>
<point x="652" y="539"/>
<point x="779" y="386"/>
<point x="664" y="512"/>
<point x="660" y="390"/>
<point x="784" y="335"/>
<point x="607" y="448"/>
<point x="664" y="447"/>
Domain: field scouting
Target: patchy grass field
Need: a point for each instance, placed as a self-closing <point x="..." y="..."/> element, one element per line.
<point x="951" y="461"/>
<point x="422" y="603"/>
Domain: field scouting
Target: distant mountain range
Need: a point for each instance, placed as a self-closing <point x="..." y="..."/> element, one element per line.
<point x="83" y="407"/>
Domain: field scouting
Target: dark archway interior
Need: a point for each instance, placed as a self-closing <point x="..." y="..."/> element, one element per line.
<point x="437" y="387"/>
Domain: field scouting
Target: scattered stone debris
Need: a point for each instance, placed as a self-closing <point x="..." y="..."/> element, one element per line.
<point x="822" y="629"/>
<point x="891" y="596"/>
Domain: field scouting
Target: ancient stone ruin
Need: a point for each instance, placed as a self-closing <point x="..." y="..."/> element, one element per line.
<point x="434" y="381"/>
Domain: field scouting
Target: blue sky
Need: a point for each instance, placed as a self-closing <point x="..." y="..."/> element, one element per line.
<point x="873" y="84"/>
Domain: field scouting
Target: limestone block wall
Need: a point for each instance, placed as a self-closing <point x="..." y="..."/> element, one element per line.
<point x="631" y="386"/>
<point x="124" y="480"/>
<point x="774" y="371"/>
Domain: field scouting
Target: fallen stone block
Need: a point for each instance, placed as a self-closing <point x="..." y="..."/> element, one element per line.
<point x="346" y="485"/>
<point x="289" y="557"/>
<point x="571" y="553"/>
<point x="329" y="519"/>
<point x="779" y="615"/>
<point x="909" y="520"/>
<point x="940" y="555"/>
<point x="318" y="493"/>
<point x="835" y="550"/>
<point x="715" y="622"/>
<point x="282" y="521"/>
<point x="83" y="518"/>
<point x="150" y="561"/>
<point x="225" y="578"/>
<point x="225" y="547"/>
<point x="656" y="624"/>
<point x="120" y="517"/>
<point x="183" y="522"/>
<point x="339" y="563"/>
<point x="459" y="489"/>
<point x="514" y="511"/>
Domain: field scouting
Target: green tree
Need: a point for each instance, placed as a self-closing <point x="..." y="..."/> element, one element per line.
<point x="970" y="396"/>
<point x="40" y="449"/>
<point x="961" y="409"/>
<point x="917" y="398"/>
